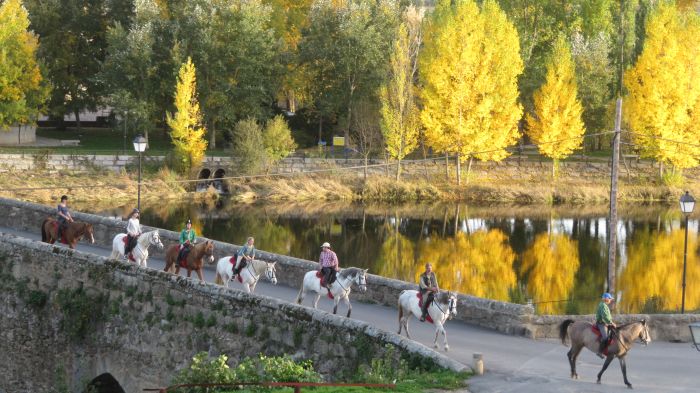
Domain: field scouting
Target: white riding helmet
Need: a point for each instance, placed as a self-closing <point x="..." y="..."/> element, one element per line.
<point x="326" y="244"/>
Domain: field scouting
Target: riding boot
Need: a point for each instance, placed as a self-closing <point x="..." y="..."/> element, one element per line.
<point x="424" y="311"/>
<point x="601" y="348"/>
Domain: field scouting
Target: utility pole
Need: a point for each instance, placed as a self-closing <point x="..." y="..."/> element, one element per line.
<point x="612" y="222"/>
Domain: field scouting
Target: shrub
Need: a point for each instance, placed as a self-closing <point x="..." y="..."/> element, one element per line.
<point x="275" y="369"/>
<point x="248" y="146"/>
<point x="203" y="370"/>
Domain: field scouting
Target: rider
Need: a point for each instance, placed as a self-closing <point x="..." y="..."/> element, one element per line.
<point x="329" y="265"/>
<point x="603" y="320"/>
<point x="133" y="230"/>
<point x="244" y="255"/>
<point x="428" y="288"/>
<point x="64" y="216"/>
<point x="187" y="237"/>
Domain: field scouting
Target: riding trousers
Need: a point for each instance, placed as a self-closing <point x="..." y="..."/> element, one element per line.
<point x="603" y="332"/>
<point x="328" y="275"/>
<point x="428" y="298"/>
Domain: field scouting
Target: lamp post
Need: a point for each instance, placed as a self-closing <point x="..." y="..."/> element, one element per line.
<point x="140" y="146"/>
<point x="687" y="205"/>
<point x="695" y="334"/>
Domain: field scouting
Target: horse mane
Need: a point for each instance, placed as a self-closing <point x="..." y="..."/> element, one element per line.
<point x="351" y="271"/>
<point x="443" y="297"/>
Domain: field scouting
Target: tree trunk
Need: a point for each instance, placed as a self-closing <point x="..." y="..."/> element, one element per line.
<point x="425" y="159"/>
<point x="661" y="169"/>
<point x="212" y="136"/>
<point x="469" y="169"/>
<point x="320" y="129"/>
<point x="398" y="170"/>
<point x="459" y="169"/>
<point x="77" y="118"/>
<point x="366" y="159"/>
<point x="554" y="169"/>
<point x="447" y="167"/>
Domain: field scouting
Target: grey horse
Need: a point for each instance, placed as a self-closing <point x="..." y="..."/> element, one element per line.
<point x="581" y="335"/>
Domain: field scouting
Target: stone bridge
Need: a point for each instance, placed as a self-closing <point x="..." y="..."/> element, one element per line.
<point x="68" y="317"/>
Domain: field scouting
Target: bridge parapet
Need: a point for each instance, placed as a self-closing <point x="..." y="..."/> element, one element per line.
<point x="70" y="316"/>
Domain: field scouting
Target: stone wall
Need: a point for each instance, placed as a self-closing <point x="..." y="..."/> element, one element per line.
<point x="504" y="317"/>
<point x="67" y="317"/>
<point x="18" y="135"/>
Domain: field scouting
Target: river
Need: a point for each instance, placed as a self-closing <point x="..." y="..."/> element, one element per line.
<point x="554" y="257"/>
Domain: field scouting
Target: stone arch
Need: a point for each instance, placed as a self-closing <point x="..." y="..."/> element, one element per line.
<point x="220" y="184"/>
<point x="204" y="173"/>
<point x="104" y="383"/>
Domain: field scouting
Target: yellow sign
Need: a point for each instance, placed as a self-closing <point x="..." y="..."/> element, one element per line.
<point x="338" y="141"/>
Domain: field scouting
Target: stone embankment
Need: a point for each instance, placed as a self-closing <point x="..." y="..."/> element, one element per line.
<point x="504" y="317"/>
<point x="68" y="316"/>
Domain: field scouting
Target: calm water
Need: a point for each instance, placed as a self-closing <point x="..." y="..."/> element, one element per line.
<point x="555" y="258"/>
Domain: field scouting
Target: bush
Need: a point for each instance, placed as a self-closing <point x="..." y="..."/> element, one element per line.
<point x="205" y="371"/>
<point x="248" y="146"/>
<point x="277" y="138"/>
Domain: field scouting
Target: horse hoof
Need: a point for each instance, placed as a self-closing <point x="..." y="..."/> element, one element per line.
<point x="629" y="386"/>
<point x="447" y="348"/>
<point x="598" y="382"/>
<point x="435" y="346"/>
<point x="576" y="376"/>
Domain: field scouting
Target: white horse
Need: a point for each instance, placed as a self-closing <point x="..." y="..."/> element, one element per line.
<point x="444" y="307"/>
<point x="340" y="289"/>
<point x="140" y="251"/>
<point x="249" y="275"/>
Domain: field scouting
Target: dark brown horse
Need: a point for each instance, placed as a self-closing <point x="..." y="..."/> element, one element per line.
<point x="73" y="232"/>
<point x="194" y="259"/>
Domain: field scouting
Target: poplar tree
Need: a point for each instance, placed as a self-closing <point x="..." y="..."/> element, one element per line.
<point x="21" y="90"/>
<point x="469" y="67"/>
<point x="399" y="114"/>
<point x="186" y="129"/>
<point x="664" y="89"/>
<point x="556" y="126"/>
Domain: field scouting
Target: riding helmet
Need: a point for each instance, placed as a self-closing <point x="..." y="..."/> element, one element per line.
<point x="606" y="295"/>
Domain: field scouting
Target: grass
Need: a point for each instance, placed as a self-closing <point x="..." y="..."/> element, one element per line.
<point x="416" y="383"/>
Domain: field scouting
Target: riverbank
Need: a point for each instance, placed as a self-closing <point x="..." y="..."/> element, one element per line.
<point x="106" y="188"/>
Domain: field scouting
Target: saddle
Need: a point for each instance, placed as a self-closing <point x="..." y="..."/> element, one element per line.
<point x="232" y="260"/>
<point x="611" y="337"/>
<point x="420" y="304"/>
<point x="319" y="275"/>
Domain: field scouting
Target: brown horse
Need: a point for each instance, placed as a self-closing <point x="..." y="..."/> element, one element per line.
<point x="193" y="261"/>
<point x="581" y="335"/>
<point x="73" y="232"/>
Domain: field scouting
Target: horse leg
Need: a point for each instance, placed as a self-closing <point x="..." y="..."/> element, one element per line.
<point x="347" y="303"/>
<point x="246" y="286"/>
<point x="444" y="337"/>
<point x="318" y="297"/>
<point x="438" y="327"/>
<point x="302" y="293"/>
<point x="605" y="366"/>
<point x="200" y="274"/>
<point x="573" y="355"/>
<point x="189" y="272"/>
<point x="252" y="287"/>
<point x="623" y="366"/>
<point x="335" y="307"/>
<point x="405" y="325"/>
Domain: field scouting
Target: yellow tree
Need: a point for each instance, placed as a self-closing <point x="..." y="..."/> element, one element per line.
<point x="469" y="68"/>
<point x="551" y="265"/>
<point x="399" y="114"/>
<point x="21" y="90"/>
<point x="186" y="129"/>
<point x="556" y="126"/>
<point x="651" y="280"/>
<point x="664" y="88"/>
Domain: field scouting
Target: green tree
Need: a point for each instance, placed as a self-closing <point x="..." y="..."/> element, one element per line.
<point x="277" y="139"/>
<point x="591" y="56"/>
<point x="556" y="126"/>
<point x="345" y="50"/>
<point x="249" y="147"/>
<point x="186" y="129"/>
<point x="664" y="88"/>
<point x="73" y="46"/>
<point x="469" y="67"/>
<point x="400" y="116"/>
<point x="22" y="91"/>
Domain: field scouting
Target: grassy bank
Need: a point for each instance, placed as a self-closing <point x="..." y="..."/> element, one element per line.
<point x="97" y="186"/>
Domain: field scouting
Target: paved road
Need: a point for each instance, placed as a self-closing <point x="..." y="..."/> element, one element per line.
<point x="514" y="364"/>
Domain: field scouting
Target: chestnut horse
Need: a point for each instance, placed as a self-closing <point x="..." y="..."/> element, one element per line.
<point x="193" y="261"/>
<point x="71" y="235"/>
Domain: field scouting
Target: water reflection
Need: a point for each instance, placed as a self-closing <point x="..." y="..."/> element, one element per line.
<point x="553" y="257"/>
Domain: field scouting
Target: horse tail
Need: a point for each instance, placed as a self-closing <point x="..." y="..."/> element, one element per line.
<point x="218" y="279"/>
<point x="44" y="235"/>
<point x="564" y="330"/>
<point x="301" y="290"/>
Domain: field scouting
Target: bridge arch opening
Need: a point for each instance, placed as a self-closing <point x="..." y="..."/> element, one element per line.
<point x="204" y="173"/>
<point x="104" y="383"/>
<point x="219" y="183"/>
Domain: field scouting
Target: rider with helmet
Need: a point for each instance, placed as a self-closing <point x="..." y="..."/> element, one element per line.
<point x="328" y="264"/>
<point x="603" y="320"/>
<point x="187" y="237"/>
<point x="428" y="286"/>
<point x="133" y="231"/>
<point x="244" y="255"/>
<point x="64" y="216"/>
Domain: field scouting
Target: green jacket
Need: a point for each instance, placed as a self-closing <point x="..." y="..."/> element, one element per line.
<point x="186" y="235"/>
<point x="602" y="314"/>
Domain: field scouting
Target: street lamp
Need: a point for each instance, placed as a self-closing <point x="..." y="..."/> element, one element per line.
<point x="687" y="205"/>
<point x="140" y="146"/>
<point x="695" y="334"/>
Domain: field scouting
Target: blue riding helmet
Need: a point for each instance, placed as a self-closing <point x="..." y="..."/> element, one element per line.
<point x="606" y="295"/>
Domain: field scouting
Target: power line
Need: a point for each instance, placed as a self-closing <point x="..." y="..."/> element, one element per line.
<point x="317" y="171"/>
<point x="662" y="139"/>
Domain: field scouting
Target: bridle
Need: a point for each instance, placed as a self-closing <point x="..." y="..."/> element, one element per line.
<point x="451" y="307"/>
